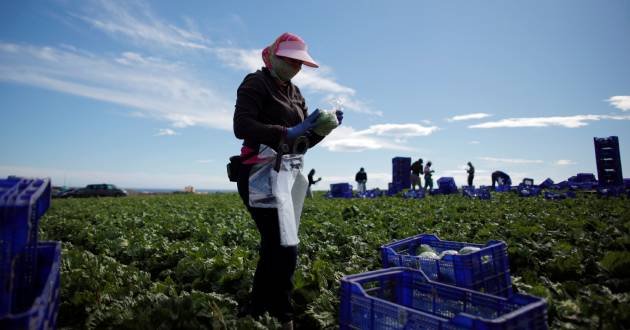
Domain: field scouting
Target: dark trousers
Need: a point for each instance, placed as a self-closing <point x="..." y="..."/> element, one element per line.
<point x="273" y="280"/>
<point x="470" y="180"/>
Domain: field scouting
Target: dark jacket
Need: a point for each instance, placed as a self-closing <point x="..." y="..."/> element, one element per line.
<point x="264" y="110"/>
<point x="361" y="176"/>
<point x="416" y="167"/>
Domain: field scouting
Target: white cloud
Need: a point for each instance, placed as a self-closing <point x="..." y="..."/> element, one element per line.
<point x="376" y="137"/>
<point x="311" y="80"/>
<point x="565" y="162"/>
<point x="136" y="21"/>
<point x="621" y="102"/>
<point x="166" y="132"/>
<point x="511" y="160"/>
<point x="563" y="121"/>
<point x="205" y="161"/>
<point x="474" y="142"/>
<point x="479" y="115"/>
<point x="399" y="130"/>
<point x="151" y="86"/>
<point x="346" y="139"/>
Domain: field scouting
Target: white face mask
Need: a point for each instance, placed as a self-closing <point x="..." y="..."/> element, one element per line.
<point x="283" y="70"/>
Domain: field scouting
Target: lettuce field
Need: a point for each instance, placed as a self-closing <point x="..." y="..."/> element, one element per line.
<point x="187" y="261"/>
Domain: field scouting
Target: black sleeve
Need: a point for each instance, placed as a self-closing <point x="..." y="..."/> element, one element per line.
<point x="249" y="103"/>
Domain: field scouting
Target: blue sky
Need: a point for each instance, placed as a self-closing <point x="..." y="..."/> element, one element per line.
<point x="141" y="94"/>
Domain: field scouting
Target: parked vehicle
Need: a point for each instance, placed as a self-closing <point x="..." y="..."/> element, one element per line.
<point x="96" y="190"/>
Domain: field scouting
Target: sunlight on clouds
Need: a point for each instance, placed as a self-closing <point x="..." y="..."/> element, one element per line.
<point x="157" y="88"/>
<point x="471" y="116"/>
<point x="376" y="137"/>
<point x="399" y="130"/>
<point x="166" y="132"/>
<point x="311" y="80"/>
<point x="565" y="162"/>
<point x="620" y="102"/>
<point x="136" y="21"/>
<point x="563" y="121"/>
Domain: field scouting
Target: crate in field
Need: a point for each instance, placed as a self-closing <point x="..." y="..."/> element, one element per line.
<point x="341" y="190"/>
<point x="486" y="270"/>
<point x="480" y="193"/>
<point x="447" y="185"/>
<point x="503" y="188"/>
<point x="22" y="203"/>
<point x="393" y="188"/>
<point x="401" y="169"/>
<point x="548" y="183"/>
<point x="41" y="312"/>
<point x="405" y="298"/>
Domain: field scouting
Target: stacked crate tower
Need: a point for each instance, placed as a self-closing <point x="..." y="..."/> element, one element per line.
<point x="608" y="162"/>
<point x="401" y="168"/>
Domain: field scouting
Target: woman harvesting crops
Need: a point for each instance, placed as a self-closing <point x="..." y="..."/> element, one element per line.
<point x="272" y="118"/>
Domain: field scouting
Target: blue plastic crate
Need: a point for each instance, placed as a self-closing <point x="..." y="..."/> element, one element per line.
<point x="528" y="191"/>
<point x="611" y="191"/>
<point x="393" y="188"/>
<point x="341" y="190"/>
<point x="585" y="177"/>
<point x="414" y="194"/>
<point x="41" y="312"/>
<point x="404" y="298"/>
<point x="372" y="193"/>
<point x="481" y="193"/>
<point x="502" y="188"/>
<point x="447" y="185"/>
<point x="486" y="270"/>
<point x="22" y="203"/>
<point x="548" y="183"/>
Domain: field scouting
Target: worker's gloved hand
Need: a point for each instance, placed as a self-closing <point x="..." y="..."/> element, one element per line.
<point x="301" y="128"/>
<point x="339" y="115"/>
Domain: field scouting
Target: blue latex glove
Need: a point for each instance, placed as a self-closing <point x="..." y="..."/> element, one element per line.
<point x="339" y="115"/>
<point x="301" y="128"/>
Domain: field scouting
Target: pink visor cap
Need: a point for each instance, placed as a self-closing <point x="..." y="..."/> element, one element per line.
<point x="296" y="49"/>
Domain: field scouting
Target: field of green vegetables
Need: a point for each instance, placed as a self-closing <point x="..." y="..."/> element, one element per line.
<point x="187" y="261"/>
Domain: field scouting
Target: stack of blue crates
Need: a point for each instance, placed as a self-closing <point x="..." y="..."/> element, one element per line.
<point x="401" y="172"/>
<point x="404" y="298"/>
<point x="453" y="291"/>
<point x="582" y="181"/>
<point x="341" y="190"/>
<point x="29" y="270"/>
<point x="608" y="161"/>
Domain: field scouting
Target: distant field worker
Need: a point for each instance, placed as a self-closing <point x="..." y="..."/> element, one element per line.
<point x="428" y="173"/>
<point x="500" y="178"/>
<point x="471" y="174"/>
<point x="271" y="112"/>
<point x="361" y="179"/>
<point x="416" y="169"/>
<point x="311" y="182"/>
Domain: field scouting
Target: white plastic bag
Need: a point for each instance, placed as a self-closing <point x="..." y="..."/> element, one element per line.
<point x="261" y="181"/>
<point x="289" y="188"/>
